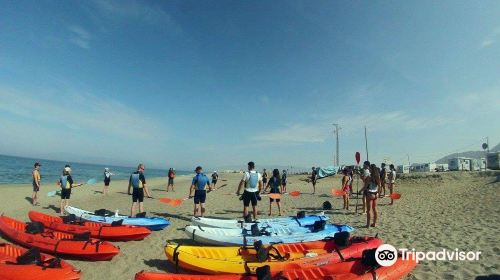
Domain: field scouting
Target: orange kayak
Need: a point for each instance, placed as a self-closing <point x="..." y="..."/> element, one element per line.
<point x="57" y="243"/>
<point x="97" y="230"/>
<point x="245" y="260"/>
<point x="49" y="267"/>
<point x="348" y="270"/>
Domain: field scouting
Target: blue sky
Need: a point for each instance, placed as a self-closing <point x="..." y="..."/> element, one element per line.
<point x="219" y="83"/>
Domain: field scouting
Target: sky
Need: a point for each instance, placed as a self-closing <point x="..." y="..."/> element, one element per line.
<point x="220" y="83"/>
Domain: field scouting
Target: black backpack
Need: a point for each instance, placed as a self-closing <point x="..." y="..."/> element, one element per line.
<point x="34" y="227"/>
<point x="301" y="214"/>
<point x="368" y="258"/>
<point x="261" y="251"/>
<point x="327" y="205"/>
<point x="341" y="239"/>
<point x="319" y="226"/>
<point x="32" y="256"/>
<point x="263" y="273"/>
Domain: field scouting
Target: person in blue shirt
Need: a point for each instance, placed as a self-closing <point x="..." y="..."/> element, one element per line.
<point x="66" y="183"/>
<point x="199" y="186"/>
<point x="137" y="181"/>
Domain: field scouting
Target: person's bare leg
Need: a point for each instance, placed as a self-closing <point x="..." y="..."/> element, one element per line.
<point x="202" y="209"/>
<point x="133" y="209"/>
<point x="368" y="214"/>
<point x="270" y="206"/>
<point x="254" y="208"/>
<point x="279" y="208"/>
<point x="62" y="207"/>
<point x="141" y="207"/>
<point x="347" y="202"/>
<point x="375" y="214"/>
<point x="314" y="188"/>
<point x="245" y="211"/>
<point x="33" y="199"/>
<point x="391" y="187"/>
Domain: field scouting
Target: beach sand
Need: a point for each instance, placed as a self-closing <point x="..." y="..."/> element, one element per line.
<point x="441" y="210"/>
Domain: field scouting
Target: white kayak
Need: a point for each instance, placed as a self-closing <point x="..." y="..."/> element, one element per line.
<point x="273" y="235"/>
<point x="152" y="223"/>
<point x="283" y="221"/>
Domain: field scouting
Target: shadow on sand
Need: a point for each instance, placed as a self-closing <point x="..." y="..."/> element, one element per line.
<point x="29" y="199"/>
<point x="53" y="207"/>
<point x="174" y="216"/>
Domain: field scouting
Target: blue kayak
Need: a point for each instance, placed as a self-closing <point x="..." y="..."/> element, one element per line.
<point x="152" y="223"/>
<point x="272" y="235"/>
<point x="284" y="221"/>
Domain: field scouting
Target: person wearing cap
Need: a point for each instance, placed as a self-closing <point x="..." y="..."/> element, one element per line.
<point x="215" y="177"/>
<point x="36" y="183"/>
<point x="199" y="184"/>
<point x="107" y="180"/>
<point x="66" y="183"/>
<point x="171" y="176"/>
<point x="314" y="178"/>
<point x="137" y="181"/>
<point x="252" y="180"/>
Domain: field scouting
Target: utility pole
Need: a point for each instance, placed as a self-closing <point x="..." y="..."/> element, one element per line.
<point x="336" y="131"/>
<point x="366" y="145"/>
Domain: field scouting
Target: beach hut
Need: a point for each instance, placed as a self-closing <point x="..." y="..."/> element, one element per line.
<point x="493" y="160"/>
<point x="459" y="164"/>
<point x="424" y="167"/>
<point x="403" y="169"/>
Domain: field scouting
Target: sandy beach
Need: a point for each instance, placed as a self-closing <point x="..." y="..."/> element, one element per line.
<point x="440" y="210"/>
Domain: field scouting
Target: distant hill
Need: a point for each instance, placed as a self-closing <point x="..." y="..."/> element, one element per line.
<point x="469" y="154"/>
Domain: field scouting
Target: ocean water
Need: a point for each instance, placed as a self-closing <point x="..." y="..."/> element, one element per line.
<point x="17" y="170"/>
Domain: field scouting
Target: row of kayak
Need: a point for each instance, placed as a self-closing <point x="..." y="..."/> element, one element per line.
<point x="301" y="247"/>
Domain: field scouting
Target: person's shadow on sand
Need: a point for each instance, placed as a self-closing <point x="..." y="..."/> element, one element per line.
<point x="29" y="199"/>
<point x="167" y="215"/>
<point x="53" y="207"/>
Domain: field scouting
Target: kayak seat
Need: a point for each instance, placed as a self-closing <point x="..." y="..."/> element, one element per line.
<point x="264" y="253"/>
<point x="255" y="231"/>
<point x="32" y="256"/>
<point x="301" y="214"/>
<point x="34" y="228"/>
<point x="117" y="223"/>
<point x="141" y="215"/>
<point x="318" y="226"/>
<point x="84" y="236"/>
<point x="103" y="212"/>
<point x="263" y="273"/>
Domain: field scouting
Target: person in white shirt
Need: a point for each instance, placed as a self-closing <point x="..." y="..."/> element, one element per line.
<point x="252" y="180"/>
<point x="392" y="180"/>
<point x="107" y="180"/>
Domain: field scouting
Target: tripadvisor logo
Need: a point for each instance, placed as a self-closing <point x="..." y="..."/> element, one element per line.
<point x="387" y="255"/>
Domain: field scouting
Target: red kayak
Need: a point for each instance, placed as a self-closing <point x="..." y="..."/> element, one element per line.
<point x="114" y="232"/>
<point x="348" y="270"/>
<point x="17" y="263"/>
<point x="57" y="243"/>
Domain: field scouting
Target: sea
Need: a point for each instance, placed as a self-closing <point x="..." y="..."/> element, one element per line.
<point x="17" y="170"/>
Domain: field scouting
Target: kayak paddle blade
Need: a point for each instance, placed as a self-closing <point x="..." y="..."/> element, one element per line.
<point x="165" y="200"/>
<point x="274" y="195"/>
<point x="337" y="192"/>
<point x="176" y="202"/>
<point x="294" y="193"/>
<point x="395" y="196"/>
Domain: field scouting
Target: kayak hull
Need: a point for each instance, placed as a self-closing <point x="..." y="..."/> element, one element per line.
<point x="10" y="270"/>
<point x="241" y="260"/>
<point x="97" y="230"/>
<point x="57" y="243"/>
<point x="152" y="223"/>
<point x="241" y="237"/>
<point x="285" y="221"/>
<point x="349" y="270"/>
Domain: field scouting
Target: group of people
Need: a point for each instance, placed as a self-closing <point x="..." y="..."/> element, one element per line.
<point x="374" y="181"/>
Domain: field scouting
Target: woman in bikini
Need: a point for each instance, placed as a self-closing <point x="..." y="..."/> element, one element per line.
<point x="371" y="189"/>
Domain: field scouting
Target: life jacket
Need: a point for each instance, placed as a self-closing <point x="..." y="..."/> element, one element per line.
<point x="135" y="181"/>
<point x="200" y="185"/>
<point x="274" y="183"/>
<point x="65" y="183"/>
<point x="252" y="183"/>
<point x="372" y="187"/>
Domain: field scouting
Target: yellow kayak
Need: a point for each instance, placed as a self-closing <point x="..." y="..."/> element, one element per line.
<point x="280" y="257"/>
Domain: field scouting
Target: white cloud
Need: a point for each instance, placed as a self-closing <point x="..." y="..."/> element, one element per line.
<point x="320" y="131"/>
<point x="79" y="36"/>
<point x="80" y="112"/>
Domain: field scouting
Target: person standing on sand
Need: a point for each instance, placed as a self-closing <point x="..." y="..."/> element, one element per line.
<point x="107" y="181"/>
<point x="215" y="177"/>
<point x="392" y="180"/>
<point x="137" y="181"/>
<point x="365" y="176"/>
<point x="171" y="176"/>
<point x="383" y="177"/>
<point x="275" y="187"/>
<point x="345" y="188"/>
<point x="66" y="183"/>
<point x="284" y="180"/>
<point x="264" y="177"/>
<point x="371" y="190"/>
<point x="252" y="180"/>
<point x="199" y="184"/>
<point x="35" y="174"/>
<point x="314" y="178"/>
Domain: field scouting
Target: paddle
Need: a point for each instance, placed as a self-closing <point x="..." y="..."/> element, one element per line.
<point x="338" y="193"/>
<point x="92" y="181"/>
<point x="278" y="195"/>
<point x="357" y="156"/>
<point x="395" y="196"/>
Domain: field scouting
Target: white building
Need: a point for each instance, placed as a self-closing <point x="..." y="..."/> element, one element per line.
<point x="424" y="167"/>
<point x="460" y="164"/>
